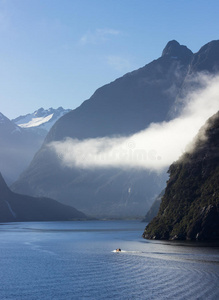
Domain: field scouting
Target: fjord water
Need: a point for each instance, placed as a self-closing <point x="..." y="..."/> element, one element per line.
<point x="75" y="260"/>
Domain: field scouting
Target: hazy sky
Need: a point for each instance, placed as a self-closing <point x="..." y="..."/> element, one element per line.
<point x="58" y="52"/>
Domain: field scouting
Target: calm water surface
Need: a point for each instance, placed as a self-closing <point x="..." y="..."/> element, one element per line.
<point x="75" y="260"/>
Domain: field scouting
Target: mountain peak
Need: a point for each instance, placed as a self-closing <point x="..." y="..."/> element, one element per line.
<point x="170" y="46"/>
<point x="41" y="118"/>
<point x="7" y="127"/>
<point x="2" y="118"/>
<point x="175" y="50"/>
<point x="211" y="46"/>
<point x="206" y="59"/>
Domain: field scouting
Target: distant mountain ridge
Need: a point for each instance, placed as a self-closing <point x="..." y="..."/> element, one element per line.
<point x="10" y="127"/>
<point x="190" y="205"/>
<point x="20" y="208"/>
<point x="17" y="148"/>
<point x="19" y="141"/>
<point x="42" y="119"/>
<point x="123" y="107"/>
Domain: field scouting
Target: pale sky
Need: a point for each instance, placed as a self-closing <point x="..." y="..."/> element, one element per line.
<point x="58" y="52"/>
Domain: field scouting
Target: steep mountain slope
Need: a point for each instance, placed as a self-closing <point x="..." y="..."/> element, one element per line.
<point x="153" y="211"/>
<point x="190" y="205"/>
<point x="123" y="107"/>
<point x="130" y="103"/>
<point x="19" y="208"/>
<point x="22" y="137"/>
<point x="17" y="148"/>
<point x="207" y="58"/>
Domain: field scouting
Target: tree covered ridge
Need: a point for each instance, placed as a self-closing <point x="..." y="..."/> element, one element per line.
<point x="190" y="206"/>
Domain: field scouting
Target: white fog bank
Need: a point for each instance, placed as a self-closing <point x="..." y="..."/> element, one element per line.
<point x="154" y="148"/>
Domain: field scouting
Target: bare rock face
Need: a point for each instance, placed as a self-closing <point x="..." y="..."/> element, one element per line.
<point x="190" y="206"/>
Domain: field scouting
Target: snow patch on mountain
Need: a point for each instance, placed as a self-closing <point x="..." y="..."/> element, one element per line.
<point x="29" y="121"/>
<point x="41" y="118"/>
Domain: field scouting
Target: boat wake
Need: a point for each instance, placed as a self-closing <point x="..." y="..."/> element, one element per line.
<point x="124" y="251"/>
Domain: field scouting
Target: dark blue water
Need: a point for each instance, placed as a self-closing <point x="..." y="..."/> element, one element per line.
<point x="74" y="260"/>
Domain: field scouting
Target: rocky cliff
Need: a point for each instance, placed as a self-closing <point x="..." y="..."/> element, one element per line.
<point x="190" y="206"/>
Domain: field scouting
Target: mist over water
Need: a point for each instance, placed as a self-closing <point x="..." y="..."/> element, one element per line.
<point x="154" y="148"/>
<point x="75" y="260"/>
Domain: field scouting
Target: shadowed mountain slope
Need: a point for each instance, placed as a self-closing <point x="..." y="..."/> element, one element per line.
<point x="123" y="107"/>
<point x="19" y="208"/>
<point x="17" y="148"/>
<point x="22" y="137"/>
<point x="153" y="211"/>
